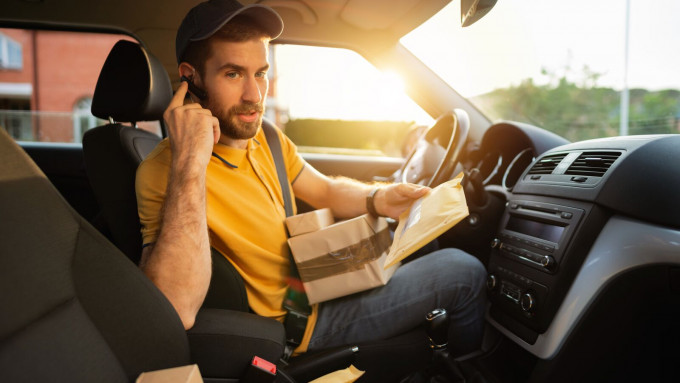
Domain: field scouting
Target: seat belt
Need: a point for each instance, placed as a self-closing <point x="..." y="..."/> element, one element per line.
<point x="295" y="301"/>
<point x="275" y="147"/>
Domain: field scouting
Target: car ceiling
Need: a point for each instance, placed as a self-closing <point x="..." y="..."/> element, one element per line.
<point x="366" y="26"/>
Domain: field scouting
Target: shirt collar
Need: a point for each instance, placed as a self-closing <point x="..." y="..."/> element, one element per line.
<point x="234" y="157"/>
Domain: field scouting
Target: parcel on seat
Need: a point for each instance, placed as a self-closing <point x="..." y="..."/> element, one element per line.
<point x="359" y="254"/>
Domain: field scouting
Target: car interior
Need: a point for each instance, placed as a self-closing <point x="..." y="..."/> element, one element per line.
<point x="580" y="239"/>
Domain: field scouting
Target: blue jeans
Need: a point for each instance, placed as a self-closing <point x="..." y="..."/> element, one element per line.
<point x="447" y="278"/>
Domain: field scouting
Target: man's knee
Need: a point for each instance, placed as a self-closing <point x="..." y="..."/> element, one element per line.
<point x="458" y="264"/>
<point x="459" y="276"/>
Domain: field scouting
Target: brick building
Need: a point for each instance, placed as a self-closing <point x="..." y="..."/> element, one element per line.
<point x="33" y="78"/>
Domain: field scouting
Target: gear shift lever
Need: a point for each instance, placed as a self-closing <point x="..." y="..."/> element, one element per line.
<point x="437" y="328"/>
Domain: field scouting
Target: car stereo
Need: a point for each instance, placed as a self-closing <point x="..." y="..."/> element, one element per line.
<point x="536" y="233"/>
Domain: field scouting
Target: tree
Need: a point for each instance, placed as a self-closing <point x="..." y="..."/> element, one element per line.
<point x="579" y="109"/>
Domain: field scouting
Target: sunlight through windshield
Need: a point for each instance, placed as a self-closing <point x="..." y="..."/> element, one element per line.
<point x="561" y="65"/>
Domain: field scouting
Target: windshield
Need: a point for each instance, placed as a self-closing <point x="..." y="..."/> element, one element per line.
<point x="580" y="68"/>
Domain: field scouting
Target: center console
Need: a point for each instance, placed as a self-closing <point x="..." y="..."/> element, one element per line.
<point x="577" y="218"/>
<point x="531" y="260"/>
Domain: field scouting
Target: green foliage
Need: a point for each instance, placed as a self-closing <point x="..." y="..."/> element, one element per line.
<point x="371" y="136"/>
<point x="574" y="109"/>
<point x="583" y="111"/>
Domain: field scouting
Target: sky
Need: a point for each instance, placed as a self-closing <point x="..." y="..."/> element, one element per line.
<point x="516" y="40"/>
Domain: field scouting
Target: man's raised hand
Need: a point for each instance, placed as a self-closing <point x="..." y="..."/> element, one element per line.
<point x="192" y="130"/>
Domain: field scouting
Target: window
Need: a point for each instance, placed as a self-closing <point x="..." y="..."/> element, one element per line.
<point x="83" y="118"/>
<point x="563" y="65"/>
<point x="50" y="101"/>
<point x="15" y="117"/>
<point x="10" y="53"/>
<point x="332" y="100"/>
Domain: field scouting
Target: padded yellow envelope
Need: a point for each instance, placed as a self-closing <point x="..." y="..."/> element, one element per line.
<point x="428" y="218"/>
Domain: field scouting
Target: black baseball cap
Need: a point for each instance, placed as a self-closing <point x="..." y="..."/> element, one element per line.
<point x="208" y="17"/>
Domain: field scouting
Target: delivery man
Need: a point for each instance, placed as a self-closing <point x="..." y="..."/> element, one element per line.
<point x="213" y="183"/>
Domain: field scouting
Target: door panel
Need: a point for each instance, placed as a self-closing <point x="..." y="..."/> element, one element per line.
<point x="362" y="168"/>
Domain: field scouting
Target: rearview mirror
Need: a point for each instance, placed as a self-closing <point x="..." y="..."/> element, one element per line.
<point x="473" y="10"/>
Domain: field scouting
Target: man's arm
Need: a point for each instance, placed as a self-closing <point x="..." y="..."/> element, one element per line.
<point x="347" y="197"/>
<point x="179" y="262"/>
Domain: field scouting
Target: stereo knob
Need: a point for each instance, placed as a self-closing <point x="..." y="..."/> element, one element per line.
<point x="527" y="303"/>
<point x="495" y="243"/>
<point x="548" y="262"/>
<point x="491" y="282"/>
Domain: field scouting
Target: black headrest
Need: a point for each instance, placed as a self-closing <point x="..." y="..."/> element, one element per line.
<point x="133" y="85"/>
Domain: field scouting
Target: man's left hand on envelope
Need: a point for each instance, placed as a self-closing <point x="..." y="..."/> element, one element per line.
<point x="392" y="200"/>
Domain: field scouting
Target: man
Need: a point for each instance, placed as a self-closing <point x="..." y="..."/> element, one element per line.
<point x="217" y="164"/>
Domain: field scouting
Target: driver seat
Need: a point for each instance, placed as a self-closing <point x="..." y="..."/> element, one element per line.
<point x="133" y="86"/>
<point x="113" y="151"/>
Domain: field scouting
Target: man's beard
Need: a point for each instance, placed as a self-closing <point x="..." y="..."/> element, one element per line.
<point x="231" y="126"/>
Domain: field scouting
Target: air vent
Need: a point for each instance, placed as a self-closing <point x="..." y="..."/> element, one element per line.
<point x="547" y="164"/>
<point x="593" y="164"/>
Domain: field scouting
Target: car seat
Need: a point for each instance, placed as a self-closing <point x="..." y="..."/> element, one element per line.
<point x="133" y="86"/>
<point x="75" y="309"/>
<point x="113" y="151"/>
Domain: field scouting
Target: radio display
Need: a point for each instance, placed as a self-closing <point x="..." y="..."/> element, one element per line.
<point x="535" y="229"/>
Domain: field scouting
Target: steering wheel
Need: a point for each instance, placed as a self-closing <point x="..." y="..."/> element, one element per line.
<point x="435" y="155"/>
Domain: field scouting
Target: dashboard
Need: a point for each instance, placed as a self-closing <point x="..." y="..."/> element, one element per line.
<point x="576" y="220"/>
<point x="506" y="149"/>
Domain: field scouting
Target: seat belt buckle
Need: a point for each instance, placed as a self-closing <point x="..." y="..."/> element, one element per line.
<point x="295" y="324"/>
<point x="259" y="371"/>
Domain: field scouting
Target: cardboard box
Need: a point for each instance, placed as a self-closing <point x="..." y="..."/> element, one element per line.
<point x="344" y="258"/>
<point x="184" y="374"/>
<point x="359" y="254"/>
<point x="309" y="222"/>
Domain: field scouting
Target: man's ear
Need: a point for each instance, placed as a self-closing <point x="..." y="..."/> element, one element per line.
<point x="186" y="70"/>
<point x="190" y="77"/>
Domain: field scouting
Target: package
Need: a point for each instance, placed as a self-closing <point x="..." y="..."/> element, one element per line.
<point x="348" y="375"/>
<point x="359" y="254"/>
<point x="309" y="222"/>
<point x="184" y="374"/>
<point x="344" y="258"/>
<point x="428" y="218"/>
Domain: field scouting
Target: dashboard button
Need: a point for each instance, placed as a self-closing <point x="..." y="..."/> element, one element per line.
<point x="527" y="302"/>
<point x="491" y="282"/>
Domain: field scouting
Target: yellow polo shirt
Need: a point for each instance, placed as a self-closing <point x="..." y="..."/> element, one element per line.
<point x="245" y="215"/>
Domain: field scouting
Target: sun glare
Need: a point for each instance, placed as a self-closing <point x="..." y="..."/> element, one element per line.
<point x="330" y="83"/>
